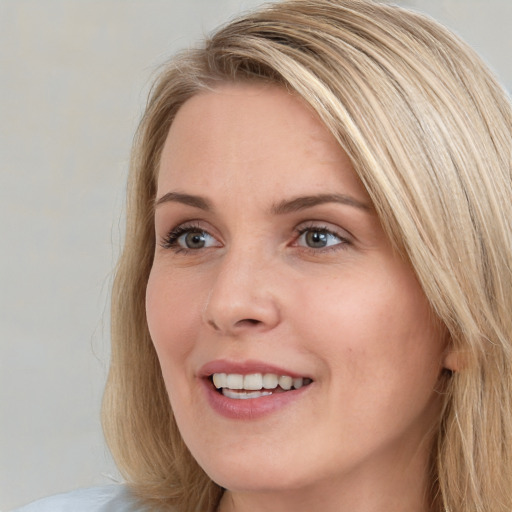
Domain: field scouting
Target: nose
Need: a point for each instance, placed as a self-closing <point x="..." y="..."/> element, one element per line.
<point x="242" y="297"/>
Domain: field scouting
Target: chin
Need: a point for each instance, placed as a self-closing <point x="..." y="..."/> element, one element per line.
<point x="257" y="480"/>
<point x="241" y="471"/>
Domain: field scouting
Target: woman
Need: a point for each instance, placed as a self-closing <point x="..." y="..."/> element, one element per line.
<point x="312" y="310"/>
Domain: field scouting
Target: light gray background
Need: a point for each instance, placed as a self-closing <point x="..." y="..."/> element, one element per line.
<point x="73" y="80"/>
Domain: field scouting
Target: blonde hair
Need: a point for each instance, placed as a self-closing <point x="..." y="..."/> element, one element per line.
<point x="429" y="132"/>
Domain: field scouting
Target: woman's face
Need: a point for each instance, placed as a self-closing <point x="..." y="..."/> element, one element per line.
<point x="271" y="269"/>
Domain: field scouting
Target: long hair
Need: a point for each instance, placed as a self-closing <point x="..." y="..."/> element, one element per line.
<point x="429" y="133"/>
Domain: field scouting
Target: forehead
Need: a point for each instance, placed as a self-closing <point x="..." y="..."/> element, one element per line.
<point x="247" y="135"/>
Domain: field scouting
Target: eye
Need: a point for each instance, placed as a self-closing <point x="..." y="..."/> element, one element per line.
<point x="193" y="240"/>
<point x="319" y="238"/>
<point x="189" y="238"/>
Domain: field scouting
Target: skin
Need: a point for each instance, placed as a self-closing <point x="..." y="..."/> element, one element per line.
<point x="350" y="315"/>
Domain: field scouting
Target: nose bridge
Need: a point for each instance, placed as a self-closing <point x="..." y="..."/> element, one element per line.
<point x="242" y="293"/>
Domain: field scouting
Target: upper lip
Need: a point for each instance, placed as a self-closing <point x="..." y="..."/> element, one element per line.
<point x="244" y="368"/>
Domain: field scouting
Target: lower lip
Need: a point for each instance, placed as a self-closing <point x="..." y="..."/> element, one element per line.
<point x="249" y="408"/>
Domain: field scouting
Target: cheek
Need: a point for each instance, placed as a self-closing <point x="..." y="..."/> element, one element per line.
<point x="172" y="323"/>
<point x="376" y="330"/>
<point x="171" y="318"/>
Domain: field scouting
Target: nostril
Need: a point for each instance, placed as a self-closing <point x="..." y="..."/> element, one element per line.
<point x="249" y="321"/>
<point x="240" y="323"/>
<point x="213" y="324"/>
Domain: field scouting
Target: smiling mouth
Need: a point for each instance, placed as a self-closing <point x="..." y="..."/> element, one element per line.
<point x="255" y="385"/>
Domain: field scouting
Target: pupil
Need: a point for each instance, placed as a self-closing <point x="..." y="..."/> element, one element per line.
<point x="316" y="239"/>
<point x="195" y="240"/>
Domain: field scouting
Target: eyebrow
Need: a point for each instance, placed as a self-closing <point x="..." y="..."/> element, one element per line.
<point x="283" y="207"/>
<point x="188" y="199"/>
<point x="304" y="202"/>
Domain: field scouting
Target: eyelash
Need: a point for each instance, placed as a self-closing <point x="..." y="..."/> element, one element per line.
<point x="343" y="241"/>
<point x="170" y="241"/>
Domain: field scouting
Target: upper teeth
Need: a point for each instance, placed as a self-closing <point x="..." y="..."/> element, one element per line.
<point x="256" y="381"/>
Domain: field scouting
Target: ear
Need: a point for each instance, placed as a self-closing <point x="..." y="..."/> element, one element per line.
<point x="454" y="360"/>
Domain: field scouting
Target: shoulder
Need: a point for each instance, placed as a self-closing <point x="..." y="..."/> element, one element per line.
<point x="110" y="498"/>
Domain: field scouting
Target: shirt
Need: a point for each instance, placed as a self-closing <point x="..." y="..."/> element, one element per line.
<point x="109" y="498"/>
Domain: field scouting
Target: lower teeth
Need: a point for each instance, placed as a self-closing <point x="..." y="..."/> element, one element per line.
<point x="243" y="395"/>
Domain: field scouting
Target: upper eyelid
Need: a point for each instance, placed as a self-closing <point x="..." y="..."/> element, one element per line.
<point x="192" y="224"/>
<point x="325" y="226"/>
<point x="302" y="226"/>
